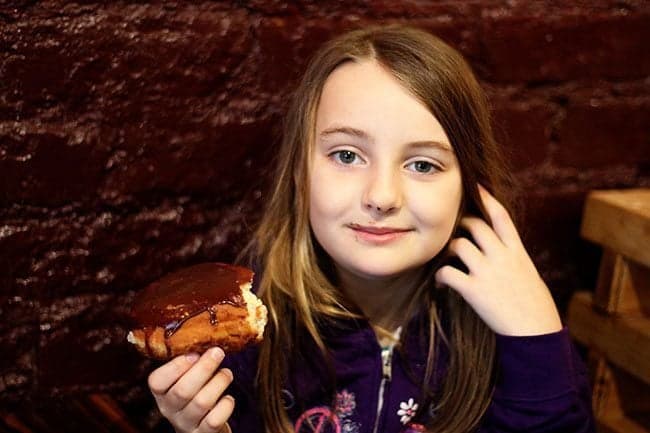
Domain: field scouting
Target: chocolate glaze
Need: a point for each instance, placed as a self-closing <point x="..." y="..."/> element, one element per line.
<point x="183" y="294"/>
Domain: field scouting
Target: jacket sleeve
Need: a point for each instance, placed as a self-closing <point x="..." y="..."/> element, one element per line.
<point x="246" y="417"/>
<point x="541" y="387"/>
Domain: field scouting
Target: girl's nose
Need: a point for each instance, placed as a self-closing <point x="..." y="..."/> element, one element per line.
<point x="383" y="193"/>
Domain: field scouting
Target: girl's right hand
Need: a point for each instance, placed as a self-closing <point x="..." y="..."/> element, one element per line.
<point x="189" y="393"/>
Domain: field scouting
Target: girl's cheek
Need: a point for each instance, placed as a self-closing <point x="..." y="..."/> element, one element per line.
<point x="334" y="190"/>
<point x="437" y="205"/>
<point x="436" y="218"/>
<point x="329" y="199"/>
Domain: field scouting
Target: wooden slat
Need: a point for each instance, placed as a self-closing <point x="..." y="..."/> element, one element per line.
<point x="108" y="408"/>
<point x="614" y="322"/>
<point x="77" y="409"/>
<point x="605" y="399"/>
<point x="609" y="265"/>
<point x="15" y="424"/>
<point x="624" y="340"/>
<point x="619" y="220"/>
<point x="619" y="425"/>
<point x="32" y="418"/>
<point x="623" y="285"/>
<point x="96" y="413"/>
<point x="616" y="393"/>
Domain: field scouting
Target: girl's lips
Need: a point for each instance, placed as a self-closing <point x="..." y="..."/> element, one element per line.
<point x="378" y="235"/>
<point x="377" y="230"/>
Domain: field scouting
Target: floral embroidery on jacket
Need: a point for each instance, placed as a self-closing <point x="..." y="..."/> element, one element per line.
<point x="407" y="410"/>
<point x="322" y="419"/>
<point x="414" y="428"/>
<point x="345" y="403"/>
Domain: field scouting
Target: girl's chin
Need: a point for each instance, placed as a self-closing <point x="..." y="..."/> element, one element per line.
<point x="378" y="273"/>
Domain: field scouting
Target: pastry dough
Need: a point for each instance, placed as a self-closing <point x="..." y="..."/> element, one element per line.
<point x="195" y="308"/>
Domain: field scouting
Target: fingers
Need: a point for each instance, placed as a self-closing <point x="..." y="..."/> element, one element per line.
<point x="207" y="397"/>
<point x="453" y="278"/>
<point x="189" y="385"/>
<point x="469" y="253"/>
<point x="216" y="420"/>
<point x="190" y="395"/>
<point x="501" y="221"/>
<point x="161" y="379"/>
<point x="482" y="233"/>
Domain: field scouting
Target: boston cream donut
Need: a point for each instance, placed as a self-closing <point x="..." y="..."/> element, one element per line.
<point x="195" y="308"/>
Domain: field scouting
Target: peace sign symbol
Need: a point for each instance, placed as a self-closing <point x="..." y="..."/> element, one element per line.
<point x="318" y="420"/>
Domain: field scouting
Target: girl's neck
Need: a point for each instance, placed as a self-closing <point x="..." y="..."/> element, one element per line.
<point x="383" y="301"/>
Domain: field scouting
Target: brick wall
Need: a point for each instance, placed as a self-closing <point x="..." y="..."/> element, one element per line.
<point x="135" y="138"/>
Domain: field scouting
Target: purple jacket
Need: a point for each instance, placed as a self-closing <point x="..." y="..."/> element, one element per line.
<point x="541" y="386"/>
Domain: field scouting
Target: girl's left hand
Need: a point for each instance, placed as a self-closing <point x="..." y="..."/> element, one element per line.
<point x="503" y="285"/>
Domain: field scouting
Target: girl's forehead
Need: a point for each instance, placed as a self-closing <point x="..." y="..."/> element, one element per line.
<point x="365" y="96"/>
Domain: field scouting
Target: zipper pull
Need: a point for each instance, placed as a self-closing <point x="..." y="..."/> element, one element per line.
<point x="387" y="355"/>
<point x="386" y="362"/>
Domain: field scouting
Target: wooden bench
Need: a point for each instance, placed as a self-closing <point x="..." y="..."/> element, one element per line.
<point x="613" y="321"/>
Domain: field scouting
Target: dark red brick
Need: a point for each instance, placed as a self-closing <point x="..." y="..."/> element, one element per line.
<point x="549" y="176"/>
<point x="600" y="133"/>
<point x="135" y="53"/>
<point x="297" y="7"/>
<point x="117" y="251"/>
<point x="523" y="129"/>
<point x="552" y="235"/>
<point x="414" y="9"/>
<point x="17" y="311"/>
<point x="554" y="48"/>
<point x="83" y="344"/>
<point x="287" y="43"/>
<point x="17" y="365"/>
<point x="22" y="244"/>
<point x="459" y="32"/>
<point x="201" y="159"/>
<point x="49" y="164"/>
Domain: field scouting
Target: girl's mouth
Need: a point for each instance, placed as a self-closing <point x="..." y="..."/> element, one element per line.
<point x="378" y="235"/>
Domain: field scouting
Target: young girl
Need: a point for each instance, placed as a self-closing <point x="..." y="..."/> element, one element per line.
<point x="400" y="296"/>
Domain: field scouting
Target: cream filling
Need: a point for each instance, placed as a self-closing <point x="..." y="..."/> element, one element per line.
<point x="256" y="312"/>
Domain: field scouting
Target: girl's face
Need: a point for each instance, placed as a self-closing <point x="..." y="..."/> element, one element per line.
<point x="385" y="185"/>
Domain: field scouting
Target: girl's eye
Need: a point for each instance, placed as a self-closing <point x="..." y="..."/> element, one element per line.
<point x="422" y="167"/>
<point x="345" y="156"/>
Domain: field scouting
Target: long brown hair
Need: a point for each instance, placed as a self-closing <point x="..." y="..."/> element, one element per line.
<point x="295" y="287"/>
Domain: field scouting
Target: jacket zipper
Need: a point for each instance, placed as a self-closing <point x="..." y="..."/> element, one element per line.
<point x="386" y="368"/>
<point x="386" y="374"/>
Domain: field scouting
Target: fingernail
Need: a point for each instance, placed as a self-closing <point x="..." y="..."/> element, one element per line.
<point x="227" y="372"/>
<point x="217" y="353"/>
<point x="192" y="357"/>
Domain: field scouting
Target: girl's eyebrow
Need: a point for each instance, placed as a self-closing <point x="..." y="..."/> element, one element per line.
<point x="426" y="144"/>
<point x="423" y="144"/>
<point x="345" y="130"/>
